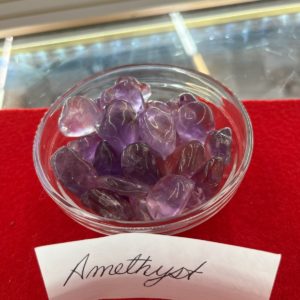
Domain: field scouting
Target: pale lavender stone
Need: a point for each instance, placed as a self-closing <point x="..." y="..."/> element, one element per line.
<point x="144" y="88"/>
<point x="169" y="196"/>
<point x="139" y="209"/>
<point x="119" y="126"/>
<point x="74" y="173"/>
<point x="107" y="204"/>
<point x="163" y="106"/>
<point x="78" y="117"/>
<point x="86" y="146"/>
<point x="122" y="186"/>
<point x="219" y="142"/>
<point x="194" y="120"/>
<point x="139" y="162"/>
<point x="157" y="129"/>
<point x="106" y="161"/>
<point x="127" y="89"/>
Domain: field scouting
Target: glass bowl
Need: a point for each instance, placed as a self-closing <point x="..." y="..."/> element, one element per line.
<point x="166" y="82"/>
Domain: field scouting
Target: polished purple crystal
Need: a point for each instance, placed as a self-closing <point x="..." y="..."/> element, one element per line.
<point x="157" y="129"/>
<point x="219" y="142"/>
<point x="119" y="126"/>
<point x="212" y="173"/>
<point x="74" y="173"/>
<point x="197" y="198"/>
<point x="163" y="106"/>
<point x="186" y="98"/>
<point x="122" y="186"/>
<point x="86" y="146"/>
<point x="169" y="196"/>
<point x="78" y="117"/>
<point x="192" y="159"/>
<point x="194" y="120"/>
<point x="139" y="162"/>
<point x="139" y="209"/>
<point x="106" y="161"/>
<point x="107" y="204"/>
<point x="127" y="89"/>
<point x="144" y="88"/>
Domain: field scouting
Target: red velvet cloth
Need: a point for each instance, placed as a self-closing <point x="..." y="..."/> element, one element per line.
<point x="264" y="214"/>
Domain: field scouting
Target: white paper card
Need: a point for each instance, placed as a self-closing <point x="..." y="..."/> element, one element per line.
<point x="137" y="265"/>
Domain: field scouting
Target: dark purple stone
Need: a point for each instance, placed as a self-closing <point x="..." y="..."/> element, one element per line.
<point x="212" y="173"/>
<point x="139" y="162"/>
<point x="194" y="120"/>
<point x="107" y="204"/>
<point x="86" y="146"/>
<point x="78" y="117"/>
<point x="186" y="98"/>
<point x="119" y="126"/>
<point x="74" y="173"/>
<point x="218" y="143"/>
<point x="106" y="161"/>
<point x="169" y="196"/>
<point x="157" y="129"/>
<point x="122" y="186"/>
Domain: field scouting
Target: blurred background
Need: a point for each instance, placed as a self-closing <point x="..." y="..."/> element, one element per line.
<point x="253" y="47"/>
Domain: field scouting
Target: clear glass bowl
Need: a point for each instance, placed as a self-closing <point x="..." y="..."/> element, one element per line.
<point x="166" y="82"/>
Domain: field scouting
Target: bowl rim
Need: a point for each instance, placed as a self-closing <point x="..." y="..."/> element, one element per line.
<point x="229" y="185"/>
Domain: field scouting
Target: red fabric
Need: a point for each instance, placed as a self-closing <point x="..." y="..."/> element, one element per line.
<point x="264" y="214"/>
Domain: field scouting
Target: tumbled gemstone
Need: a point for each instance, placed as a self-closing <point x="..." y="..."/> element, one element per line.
<point x="119" y="126"/>
<point x="122" y="186"/>
<point x="126" y="90"/>
<point x="169" y="196"/>
<point x="86" y="146"/>
<point x="219" y="142"/>
<point x="192" y="159"/>
<point x="194" y="120"/>
<point x="78" y="117"/>
<point x="106" y="161"/>
<point x="107" y="204"/>
<point x="186" y="98"/>
<point x="139" y="209"/>
<point x="212" y="173"/>
<point x="139" y="162"/>
<point x="74" y="173"/>
<point x="163" y="106"/>
<point x="157" y="129"/>
<point x="186" y="160"/>
<point x="144" y="88"/>
<point x="197" y="199"/>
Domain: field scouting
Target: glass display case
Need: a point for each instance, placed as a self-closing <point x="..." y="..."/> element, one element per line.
<point x="252" y="48"/>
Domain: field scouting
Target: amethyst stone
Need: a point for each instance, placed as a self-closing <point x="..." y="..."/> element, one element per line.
<point x="169" y="196"/>
<point x="212" y="173"/>
<point x="194" y="120"/>
<point x="139" y="162"/>
<point x="139" y="209"/>
<point x="122" y="186"/>
<point x="78" y="117"/>
<point x="107" y="204"/>
<point x="197" y="199"/>
<point x="119" y="126"/>
<point x="192" y="159"/>
<point x="106" y="161"/>
<point x="74" y="173"/>
<point x="86" y="146"/>
<point x="127" y="89"/>
<point x="186" y="98"/>
<point x="157" y="129"/>
<point x="219" y="142"/>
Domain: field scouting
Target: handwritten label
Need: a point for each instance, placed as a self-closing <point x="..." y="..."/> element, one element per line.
<point x="140" y="265"/>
